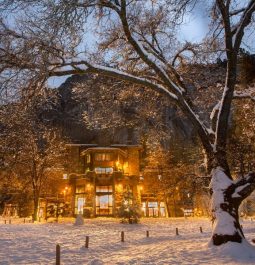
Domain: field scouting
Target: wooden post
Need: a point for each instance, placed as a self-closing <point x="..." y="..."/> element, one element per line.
<point x="24" y="220"/>
<point x="122" y="236"/>
<point x="5" y="221"/>
<point x="147" y="233"/>
<point x="177" y="231"/>
<point x="57" y="254"/>
<point x="201" y="230"/>
<point x="10" y="221"/>
<point x="87" y="242"/>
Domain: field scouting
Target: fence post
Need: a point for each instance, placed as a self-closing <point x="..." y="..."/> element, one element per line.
<point x="10" y="221"/>
<point x="122" y="236"/>
<point x="87" y="242"/>
<point x="201" y="230"/>
<point x="147" y="233"/>
<point x="177" y="231"/>
<point x="57" y="254"/>
<point x="24" y="220"/>
<point x="5" y="221"/>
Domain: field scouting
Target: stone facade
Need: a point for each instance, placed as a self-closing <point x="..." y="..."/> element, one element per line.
<point x="98" y="176"/>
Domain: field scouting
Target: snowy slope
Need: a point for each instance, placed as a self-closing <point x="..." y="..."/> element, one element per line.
<point x="35" y="243"/>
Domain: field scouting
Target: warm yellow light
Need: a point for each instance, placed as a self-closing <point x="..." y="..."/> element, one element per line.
<point x="66" y="188"/>
<point x="141" y="187"/>
<point x="117" y="163"/>
<point x="88" y="185"/>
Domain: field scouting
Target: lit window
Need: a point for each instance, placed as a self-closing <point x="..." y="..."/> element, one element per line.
<point x="103" y="188"/>
<point x="104" y="170"/>
<point x="152" y="204"/>
<point x="103" y="157"/>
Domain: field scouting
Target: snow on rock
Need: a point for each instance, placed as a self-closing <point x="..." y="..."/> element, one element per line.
<point x="79" y="220"/>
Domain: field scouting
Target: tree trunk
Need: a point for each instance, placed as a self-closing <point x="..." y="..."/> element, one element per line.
<point x="226" y="225"/>
<point x="36" y="206"/>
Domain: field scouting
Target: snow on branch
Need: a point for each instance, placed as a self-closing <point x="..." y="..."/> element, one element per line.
<point x="243" y="187"/>
<point x="150" y="59"/>
<point x="248" y="93"/>
<point x="83" y="67"/>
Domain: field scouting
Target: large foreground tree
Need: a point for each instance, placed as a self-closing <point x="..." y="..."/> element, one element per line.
<point x="137" y="44"/>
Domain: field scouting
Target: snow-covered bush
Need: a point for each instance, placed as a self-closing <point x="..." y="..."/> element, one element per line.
<point x="130" y="211"/>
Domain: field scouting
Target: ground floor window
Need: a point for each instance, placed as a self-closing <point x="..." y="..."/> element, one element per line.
<point x="153" y="209"/>
<point x="104" y="204"/>
<point x="79" y="204"/>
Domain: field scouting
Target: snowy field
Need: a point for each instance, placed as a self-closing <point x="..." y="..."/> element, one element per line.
<point x="35" y="243"/>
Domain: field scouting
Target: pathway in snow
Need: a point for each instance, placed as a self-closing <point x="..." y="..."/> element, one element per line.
<point x="35" y="243"/>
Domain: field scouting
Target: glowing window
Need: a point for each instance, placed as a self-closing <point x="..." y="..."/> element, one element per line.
<point x="103" y="188"/>
<point x="104" y="170"/>
<point x="103" y="156"/>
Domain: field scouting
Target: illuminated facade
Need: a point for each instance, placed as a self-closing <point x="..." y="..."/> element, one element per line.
<point x="97" y="177"/>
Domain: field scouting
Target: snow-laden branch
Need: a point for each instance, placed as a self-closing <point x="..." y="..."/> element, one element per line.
<point x="151" y="60"/>
<point x="248" y="93"/>
<point x="83" y="67"/>
<point x="243" y="187"/>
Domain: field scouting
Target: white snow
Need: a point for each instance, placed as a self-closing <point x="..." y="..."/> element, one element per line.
<point x="238" y="189"/>
<point x="224" y="223"/>
<point x="79" y="220"/>
<point x="29" y="244"/>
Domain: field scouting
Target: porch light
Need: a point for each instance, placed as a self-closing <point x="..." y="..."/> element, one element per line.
<point x="65" y="176"/>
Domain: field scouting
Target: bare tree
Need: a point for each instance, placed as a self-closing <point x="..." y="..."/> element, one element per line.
<point x="32" y="150"/>
<point x="137" y="45"/>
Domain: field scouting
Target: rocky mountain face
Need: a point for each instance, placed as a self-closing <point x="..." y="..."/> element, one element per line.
<point x="72" y="108"/>
<point x="122" y="114"/>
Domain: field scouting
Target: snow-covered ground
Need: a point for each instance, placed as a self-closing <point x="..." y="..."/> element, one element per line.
<point x="36" y="243"/>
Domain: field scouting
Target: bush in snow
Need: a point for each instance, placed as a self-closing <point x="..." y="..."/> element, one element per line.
<point x="129" y="211"/>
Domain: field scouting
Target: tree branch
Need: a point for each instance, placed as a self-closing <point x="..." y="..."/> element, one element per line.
<point x="244" y="187"/>
<point x="111" y="72"/>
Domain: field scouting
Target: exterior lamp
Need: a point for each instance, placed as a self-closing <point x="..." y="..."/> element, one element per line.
<point x="65" y="176"/>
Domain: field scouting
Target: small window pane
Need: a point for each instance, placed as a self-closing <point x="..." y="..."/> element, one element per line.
<point x="152" y="204"/>
<point x="103" y="156"/>
<point x="104" y="189"/>
<point x="104" y="170"/>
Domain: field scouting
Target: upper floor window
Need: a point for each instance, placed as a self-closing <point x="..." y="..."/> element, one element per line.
<point x="103" y="156"/>
<point x="104" y="170"/>
<point x="103" y="188"/>
<point x="88" y="158"/>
